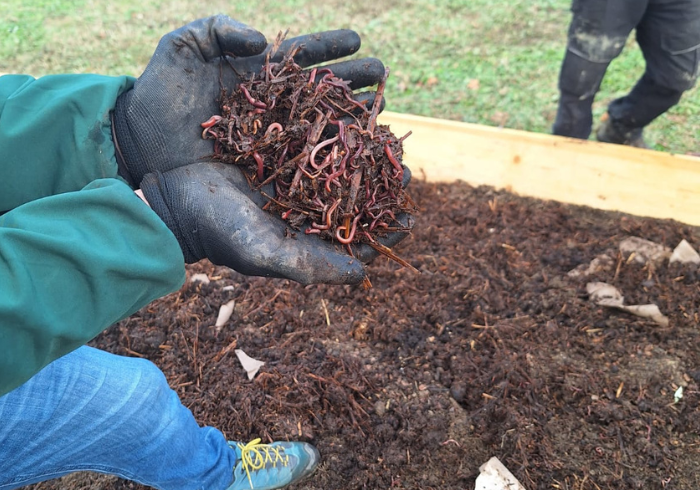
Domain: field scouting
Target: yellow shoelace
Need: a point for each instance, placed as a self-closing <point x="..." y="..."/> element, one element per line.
<point x="255" y="456"/>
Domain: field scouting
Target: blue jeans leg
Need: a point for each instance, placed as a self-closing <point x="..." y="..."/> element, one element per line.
<point x="95" y="411"/>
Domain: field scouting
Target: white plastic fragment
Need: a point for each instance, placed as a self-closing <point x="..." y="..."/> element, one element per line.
<point x="685" y="254"/>
<point x="678" y="395"/>
<point x="644" y="250"/>
<point x="225" y="313"/>
<point x="495" y="476"/>
<point x="251" y="366"/>
<point x="601" y="263"/>
<point x="228" y="288"/>
<point x="604" y="294"/>
<point x="650" y="311"/>
<point x="203" y="278"/>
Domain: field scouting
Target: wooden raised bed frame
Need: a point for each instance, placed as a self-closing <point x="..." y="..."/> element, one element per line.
<point x="644" y="183"/>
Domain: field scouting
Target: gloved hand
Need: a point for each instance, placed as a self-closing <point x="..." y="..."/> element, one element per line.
<point x="156" y="124"/>
<point x="214" y="214"/>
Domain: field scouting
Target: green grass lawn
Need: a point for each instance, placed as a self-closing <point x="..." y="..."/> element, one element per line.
<point x="480" y="61"/>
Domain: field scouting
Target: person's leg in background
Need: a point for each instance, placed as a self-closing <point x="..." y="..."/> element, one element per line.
<point x="95" y="411"/>
<point x="597" y="35"/>
<point x="669" y="37"/>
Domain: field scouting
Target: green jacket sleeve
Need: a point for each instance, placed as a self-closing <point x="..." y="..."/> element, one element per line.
<point x="73" y="264"/>
<point x="55" y="134"/>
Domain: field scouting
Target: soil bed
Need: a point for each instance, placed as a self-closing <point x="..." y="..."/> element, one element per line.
<point x="492" y="350"/>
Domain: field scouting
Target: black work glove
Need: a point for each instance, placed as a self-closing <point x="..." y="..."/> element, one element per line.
<point x="214" y="214"/>
<point x="157" y="123"/>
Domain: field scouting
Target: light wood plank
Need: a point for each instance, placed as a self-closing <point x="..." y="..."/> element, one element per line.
<point x="610" y="177"/>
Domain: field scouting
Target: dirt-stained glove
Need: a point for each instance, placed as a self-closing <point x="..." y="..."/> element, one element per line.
<point x="212" y="212"/>
<point x="156" y="124"/>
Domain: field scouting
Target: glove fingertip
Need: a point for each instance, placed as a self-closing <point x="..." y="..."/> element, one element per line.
<point x="329" y="267"/>
<point x="237" y="38"/>
<point x="351" y="39"/>
<point x="406" y="176"/>
<point x="363" y="72"/>
<point x="322" y="46"/>
<point x="374" y="66"/>
<point x="352" y="272"/>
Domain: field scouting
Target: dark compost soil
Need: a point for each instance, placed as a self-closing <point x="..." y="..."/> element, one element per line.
<point x="492" y="350"/>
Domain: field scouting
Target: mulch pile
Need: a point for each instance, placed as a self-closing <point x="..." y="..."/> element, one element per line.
<point x="491" y="350"/>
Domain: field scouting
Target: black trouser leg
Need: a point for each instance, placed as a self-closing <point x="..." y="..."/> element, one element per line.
<point x="579" y="80"/>
<point x="645" y="102"/>
<point x="669" y="37"/>
<point x="597" y="34"/>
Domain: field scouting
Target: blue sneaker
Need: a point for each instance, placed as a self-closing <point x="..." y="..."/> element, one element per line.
<point x="270" y="466"/>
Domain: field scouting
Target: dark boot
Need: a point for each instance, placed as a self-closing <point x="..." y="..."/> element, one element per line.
<point x="609" y="132"/>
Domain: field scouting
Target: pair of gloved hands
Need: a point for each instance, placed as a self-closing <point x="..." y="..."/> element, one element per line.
<point x="210" y="206"/>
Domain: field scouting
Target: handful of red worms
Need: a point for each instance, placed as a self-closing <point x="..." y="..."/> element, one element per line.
<point x="335" y="171"/>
